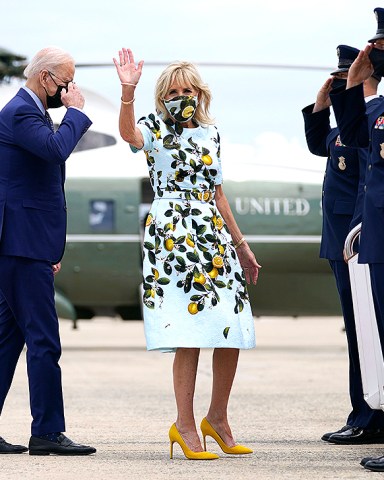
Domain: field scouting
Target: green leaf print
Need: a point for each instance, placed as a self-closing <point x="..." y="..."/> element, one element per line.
<point x="163" y="281"/>
<point x="152" y="258"/>
<point x="197" y="286"/>
<point x="193" y="257"/>
<point x="225" y="331"/>
<point x="180" y="260"/>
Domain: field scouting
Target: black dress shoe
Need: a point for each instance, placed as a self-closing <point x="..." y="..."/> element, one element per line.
<point x="6" y="447"/>
<point x="357" y="436"/>
<point x="63" y="446"/>
<point x="365" y="460"/>
<point x="326" y="436"/>
<point x="375" y="464"/>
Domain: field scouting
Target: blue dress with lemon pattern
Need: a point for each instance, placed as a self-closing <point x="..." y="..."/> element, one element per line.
<point x="194" y="289"/>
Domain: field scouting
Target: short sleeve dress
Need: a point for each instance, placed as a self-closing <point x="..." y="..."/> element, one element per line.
<point x="194" y="290"/>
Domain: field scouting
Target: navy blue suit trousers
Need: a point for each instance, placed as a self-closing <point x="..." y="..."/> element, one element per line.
<point x="28" y="317"/>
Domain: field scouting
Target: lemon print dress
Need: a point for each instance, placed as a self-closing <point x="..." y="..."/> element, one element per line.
<point x="194" y="290"/>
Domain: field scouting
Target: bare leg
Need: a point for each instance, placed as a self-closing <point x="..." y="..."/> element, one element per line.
<point x="224" y="367"/>
<point x="184" y="381"/>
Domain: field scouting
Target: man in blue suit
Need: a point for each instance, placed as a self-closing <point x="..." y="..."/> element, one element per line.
<point x="32" y="240"/>
<point x="342" y="208"/>
<point x="361" y="128"/>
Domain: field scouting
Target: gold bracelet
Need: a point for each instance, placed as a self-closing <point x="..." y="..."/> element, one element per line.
<point x="128" y="103"/>
<point x="131" y="84"/>
<point x="240" y="242"/>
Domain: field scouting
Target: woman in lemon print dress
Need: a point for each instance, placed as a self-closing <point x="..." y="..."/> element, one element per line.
<point x="196" y="263"/>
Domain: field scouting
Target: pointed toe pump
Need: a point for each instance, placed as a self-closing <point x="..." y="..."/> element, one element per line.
<point x="174" y="436"/>
<point x="208" y="430"/>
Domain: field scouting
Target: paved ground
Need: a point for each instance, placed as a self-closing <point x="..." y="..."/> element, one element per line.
<point x="289" y="391"/>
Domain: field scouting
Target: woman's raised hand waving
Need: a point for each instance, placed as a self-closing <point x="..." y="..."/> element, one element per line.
<point x="126" y="69"/>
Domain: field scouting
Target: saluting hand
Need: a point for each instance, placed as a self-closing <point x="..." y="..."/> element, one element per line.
<point x="322" y="100"/>
<point x="361" y="68"/>
<point x="126" y="69"/>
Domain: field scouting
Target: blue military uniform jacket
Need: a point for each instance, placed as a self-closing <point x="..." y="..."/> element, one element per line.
<point x="341" y="181"/>
<point x="32" y="175"/>
<point x="363" y="127"/>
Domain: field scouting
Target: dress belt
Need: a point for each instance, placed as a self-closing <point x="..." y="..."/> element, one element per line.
<point x="202" y="196"/>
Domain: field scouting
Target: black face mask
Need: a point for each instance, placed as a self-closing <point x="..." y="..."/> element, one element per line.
<point x="54" y="101"/>
<point x="338" y="83"/>
<point x="377" y="59"/>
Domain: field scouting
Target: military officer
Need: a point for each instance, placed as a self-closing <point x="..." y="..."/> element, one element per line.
<point x="361" y="128"/>
<point x="342" y="207"/>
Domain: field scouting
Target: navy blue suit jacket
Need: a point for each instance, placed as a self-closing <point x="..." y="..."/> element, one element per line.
<point x="341" y="181"/>
<point x="364" y="127"/>
<point x="32" y="175"/>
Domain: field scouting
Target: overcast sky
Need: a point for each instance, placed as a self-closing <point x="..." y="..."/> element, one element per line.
<point x="260" y="108"/>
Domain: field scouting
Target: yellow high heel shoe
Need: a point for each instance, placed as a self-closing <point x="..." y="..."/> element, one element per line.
<point x="174" y="436"/>
<point x="208" y="430"/>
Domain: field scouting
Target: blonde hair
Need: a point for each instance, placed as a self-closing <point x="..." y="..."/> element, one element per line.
<point x="186" y="73"/>
<point x="47" y="59"/>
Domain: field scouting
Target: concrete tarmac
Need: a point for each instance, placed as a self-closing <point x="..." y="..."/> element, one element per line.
<point x="119" y="398"/>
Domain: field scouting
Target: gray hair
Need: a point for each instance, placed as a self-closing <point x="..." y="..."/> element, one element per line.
<point x="47" y="59"/>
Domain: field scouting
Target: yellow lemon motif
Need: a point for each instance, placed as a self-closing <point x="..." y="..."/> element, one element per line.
<point x="153" y="292"/>
<point x="207" y="159"/>
<point x="156" y="274"/>
<point x="221" y="249"/>
<point x="169" y="244"/>
<point x="158" y="134"/>
<point x="213" y="273"/>
<point x="187" y="112"/>
<point x="219" y="223"/>
<point x="214" y="219"/>
<point x="200" y="278"/>
<point x="192" y="308"/>
<point x="190" y="242"/>
<point x="149" y="220"/>
<point x="170" y="226"/>
<point x="217" y="261"/>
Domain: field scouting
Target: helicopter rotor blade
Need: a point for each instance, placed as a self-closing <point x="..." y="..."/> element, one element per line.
<point x="220" y="64"/>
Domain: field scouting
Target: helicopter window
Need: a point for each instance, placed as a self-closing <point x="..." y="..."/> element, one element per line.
<point x="91" y="140"/>
<point x="102" y="215"/>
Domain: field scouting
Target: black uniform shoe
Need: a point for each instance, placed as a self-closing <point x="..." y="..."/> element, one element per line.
<point x="6" y="447"/>
<point x="357" y="436"/>
<point x="365" y="460"/>
<point x="63" y="446"/>
<point x="326" y="436"/>
<point x="375" y="464"/>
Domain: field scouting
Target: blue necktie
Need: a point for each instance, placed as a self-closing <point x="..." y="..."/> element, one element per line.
<point x="49" y="120"/>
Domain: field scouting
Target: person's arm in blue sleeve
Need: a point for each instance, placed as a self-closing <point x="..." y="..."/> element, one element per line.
<point x="316" y="121"/>
<point x="349" y="106"/>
